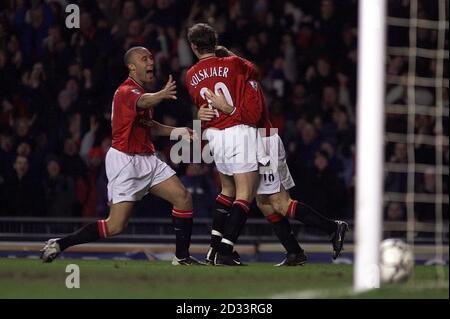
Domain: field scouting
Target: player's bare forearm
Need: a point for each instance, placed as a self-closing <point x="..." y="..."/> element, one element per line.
<point x="159" y="129"/>
<point x="185" y="133"/>
<point x="149" y="100"/>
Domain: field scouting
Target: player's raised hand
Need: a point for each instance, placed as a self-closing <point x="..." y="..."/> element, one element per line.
<point x="148" y="100"/>
<point x="221" y="51"/>
<point x="205" y="113"/>
<point x="218" y="101"/>
<point x="170" y="89"/>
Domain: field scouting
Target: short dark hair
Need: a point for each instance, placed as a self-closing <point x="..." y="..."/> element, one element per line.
<point x="204" y="37"/>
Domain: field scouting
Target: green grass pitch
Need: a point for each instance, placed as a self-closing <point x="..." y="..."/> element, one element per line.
<point x="27" y="278"/>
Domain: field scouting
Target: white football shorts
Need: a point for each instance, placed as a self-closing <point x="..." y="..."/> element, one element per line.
<point x="277" y="172"/>
<point x="130" y="176"/>
<point x="237" y="149"/>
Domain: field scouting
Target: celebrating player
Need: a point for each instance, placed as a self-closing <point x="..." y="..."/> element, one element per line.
<point x="272" y="198"/>
<point x="132" y="168"/>
<point x="234" y="145"/>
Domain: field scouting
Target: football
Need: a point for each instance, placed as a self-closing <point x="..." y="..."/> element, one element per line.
<point x="396" y="261"/>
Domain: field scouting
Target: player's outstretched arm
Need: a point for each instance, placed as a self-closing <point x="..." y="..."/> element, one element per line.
<point x="165" y="130"/>
<point x="149" y="100"/>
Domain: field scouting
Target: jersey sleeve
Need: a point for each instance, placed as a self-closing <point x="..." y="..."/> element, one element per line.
<point x="247" y="68"/>
<point x="132" y="96"/>
<point x="251" y="113"/>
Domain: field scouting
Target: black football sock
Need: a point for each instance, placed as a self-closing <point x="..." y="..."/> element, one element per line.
<point x="283" y="231"/>
<point x="220" y="215"/>
<point x="182" y="223"/>
<point x="86" y="234"/>
<point x="234" y="225"/>
<point x="310" y="217"/>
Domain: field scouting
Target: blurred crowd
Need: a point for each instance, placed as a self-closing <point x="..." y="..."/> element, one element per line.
<point x="400" y="70"/>
<point x="56" y="88"/>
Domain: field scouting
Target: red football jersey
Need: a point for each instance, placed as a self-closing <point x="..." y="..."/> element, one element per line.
<point x="255" y="112"/>
<point x="229" y="75"/>
<point x="130" y="125"/>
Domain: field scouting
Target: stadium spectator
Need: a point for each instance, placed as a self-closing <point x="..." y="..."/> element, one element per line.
<point x="307" y="145"/>
<point x="22" y="194"/>
<point x="396" y="181"/>
<point x="7" y="155"/>
<point x="332" y="195"/>
<point x="59" y="191"/>
<point x="395" y="212"/>
<point x="93" y="185"/>
<point x="48" y="73"/>
<point x="425" y="153"/>
<point x="71" y="161"/>
<point x="426" y="184"/>
<point x="22" y="130"/>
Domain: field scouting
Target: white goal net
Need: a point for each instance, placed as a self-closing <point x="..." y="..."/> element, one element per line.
<point x="416" y="121"/>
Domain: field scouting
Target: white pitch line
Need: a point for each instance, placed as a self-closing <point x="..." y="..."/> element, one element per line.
<point x="314" y="294"/>
<point x="347" y="292"/>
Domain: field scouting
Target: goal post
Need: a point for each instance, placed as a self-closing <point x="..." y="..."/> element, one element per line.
<point x="370" y="143"/>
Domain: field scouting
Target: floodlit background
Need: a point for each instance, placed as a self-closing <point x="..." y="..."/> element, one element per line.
<point x="56" y="88"/>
